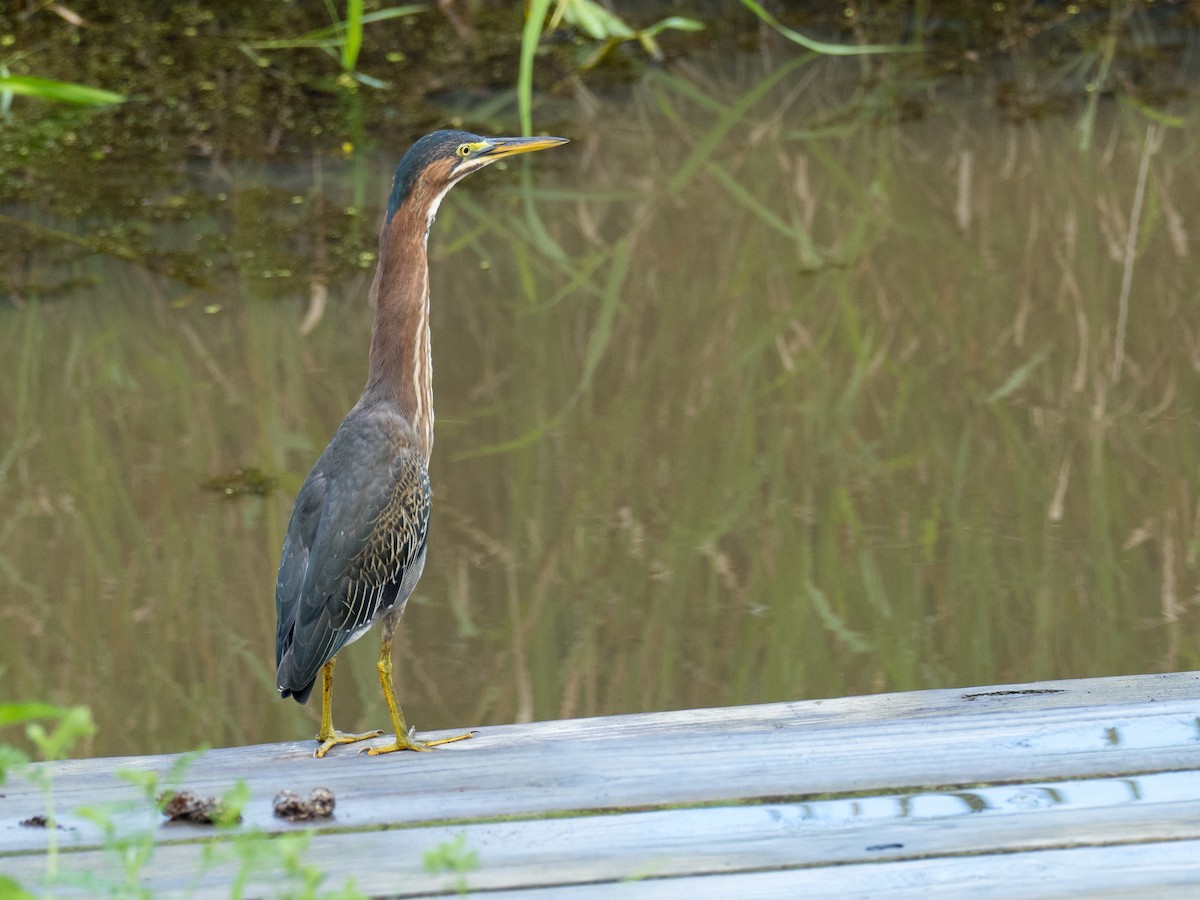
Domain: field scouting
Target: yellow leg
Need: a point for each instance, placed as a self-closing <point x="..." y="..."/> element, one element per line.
<point x="404" y="739"/>
<point x="327" y="735"/>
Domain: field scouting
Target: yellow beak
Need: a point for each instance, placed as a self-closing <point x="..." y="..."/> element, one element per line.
<point x="498" y="148"/>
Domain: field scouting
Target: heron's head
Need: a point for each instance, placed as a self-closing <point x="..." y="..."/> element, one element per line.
<point x="440" y="160"/>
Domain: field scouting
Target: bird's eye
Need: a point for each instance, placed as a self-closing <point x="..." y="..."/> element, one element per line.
<point x="463" y="150"/>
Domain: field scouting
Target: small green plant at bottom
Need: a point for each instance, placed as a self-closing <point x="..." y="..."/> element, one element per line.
<point x="452" y="857"/>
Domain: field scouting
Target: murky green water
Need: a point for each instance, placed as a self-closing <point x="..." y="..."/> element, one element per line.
<point x="747" y="395"/>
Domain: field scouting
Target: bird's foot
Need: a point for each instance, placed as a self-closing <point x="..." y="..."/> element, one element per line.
<point x="408" y="742"/>
<point x="333" y="738"/>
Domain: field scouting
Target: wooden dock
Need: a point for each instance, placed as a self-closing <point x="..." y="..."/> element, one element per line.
<point x="1070" y="788"/>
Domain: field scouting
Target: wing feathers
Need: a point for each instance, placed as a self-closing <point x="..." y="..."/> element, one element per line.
<point x="354" y="545"/>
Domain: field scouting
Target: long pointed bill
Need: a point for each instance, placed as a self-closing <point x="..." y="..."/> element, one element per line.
<point x="498" y="148"/>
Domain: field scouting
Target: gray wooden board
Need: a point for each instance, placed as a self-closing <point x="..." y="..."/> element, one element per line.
<point x="668" y="844"/>
<point x="491" y="776"/>
<point x="1151" y="871"/>
<point x="891" y="743"/>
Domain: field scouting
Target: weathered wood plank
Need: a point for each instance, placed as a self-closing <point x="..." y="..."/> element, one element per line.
<point x="1162" y="871"/>
<point x="1094" y="694"/>
<point x="689" y="843"/>
<point x="884" y="743"/>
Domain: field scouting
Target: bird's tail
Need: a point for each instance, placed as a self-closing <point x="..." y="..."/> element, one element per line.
<point x="286" y="681"/>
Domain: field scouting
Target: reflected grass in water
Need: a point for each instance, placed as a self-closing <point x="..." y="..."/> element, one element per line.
<point x="919" y="459"/>
<point x="812" y="412"/>
<point x="126" y="596"/>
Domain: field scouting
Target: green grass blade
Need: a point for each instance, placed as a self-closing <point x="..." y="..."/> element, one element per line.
<point x="820" y="46"/>
<point x="61" y="91"/>
<point x="675" y="23"/>
<point x="530" y="35"/>
<point x="354" y="34"/>
<point x="1019" y="377"/>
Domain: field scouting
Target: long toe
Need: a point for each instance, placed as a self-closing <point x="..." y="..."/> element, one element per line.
<point x="407" y="743"/>
<point x="449" y="740"/>
<point x="338" y="737"/>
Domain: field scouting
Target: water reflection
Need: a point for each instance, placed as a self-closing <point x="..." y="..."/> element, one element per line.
<point x="734" y="405"/>
<point x="1091" y="793"/>
<point x="1135" y="734"/>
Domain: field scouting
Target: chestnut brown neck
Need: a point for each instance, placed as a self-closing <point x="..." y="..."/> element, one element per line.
<point x="401" y="370"/>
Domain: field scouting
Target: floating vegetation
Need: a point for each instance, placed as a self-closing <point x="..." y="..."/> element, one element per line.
<point x="240" y="483"/>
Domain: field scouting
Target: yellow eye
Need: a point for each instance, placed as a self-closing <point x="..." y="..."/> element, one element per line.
<point x="463" y="150"/>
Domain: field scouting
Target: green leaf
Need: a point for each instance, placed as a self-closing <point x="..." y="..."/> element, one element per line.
<point x="10" y="758"/>
<point x="451" y="856"/>
<point x="676" y="23"/>
<point x="73" y="724"/>
<point x="16" y="713"/>
<point x="62" y="91"/>
<point x="595" y="21"/>
<point x="233" y="801"/>
<point x="823" y="48"/>
<point x="10" y="889"/>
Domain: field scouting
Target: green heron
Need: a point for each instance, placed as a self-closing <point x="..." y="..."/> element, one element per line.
<point x="355" y="545"/>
